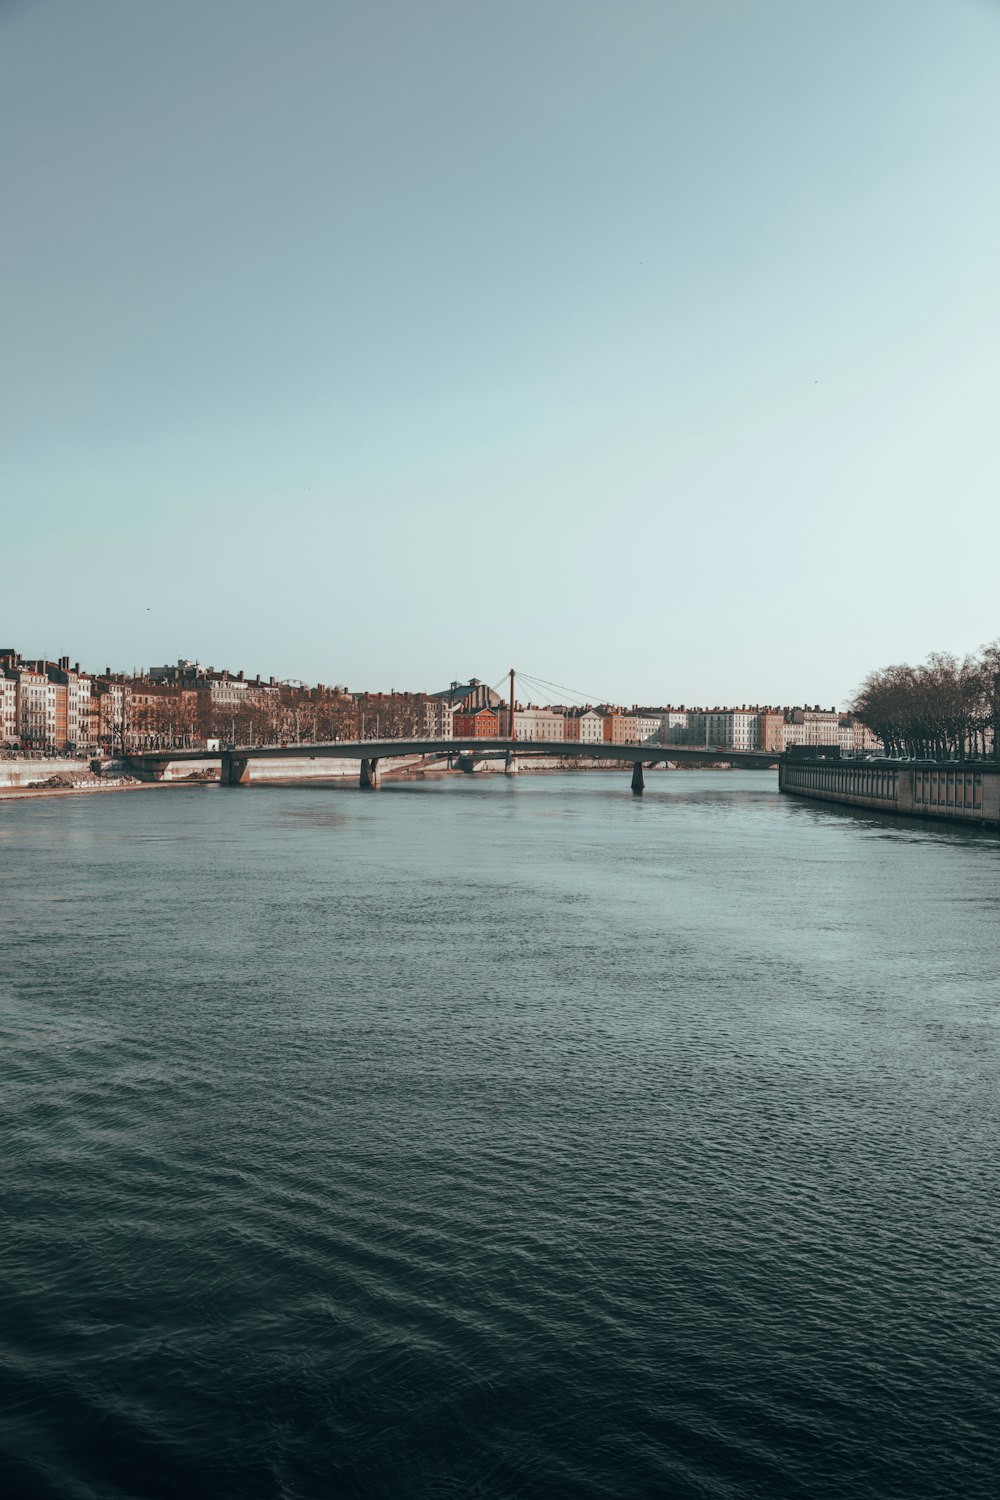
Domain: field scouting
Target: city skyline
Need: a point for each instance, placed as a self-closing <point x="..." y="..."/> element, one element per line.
<point x="58" y="706"/>
<point x="656" y="342"/>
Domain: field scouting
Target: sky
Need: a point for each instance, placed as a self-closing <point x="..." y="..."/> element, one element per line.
<point x="648" y="346"/>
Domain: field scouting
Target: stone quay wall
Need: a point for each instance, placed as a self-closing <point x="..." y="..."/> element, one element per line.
<point x="955" y="791"/>
<point x="22" y="772"/>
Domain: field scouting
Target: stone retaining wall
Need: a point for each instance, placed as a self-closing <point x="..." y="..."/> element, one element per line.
<point x="20" y="772"/>
<point x="964" y="793"/>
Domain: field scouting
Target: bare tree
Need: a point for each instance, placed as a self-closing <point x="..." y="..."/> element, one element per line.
<point x="945" y="708"/>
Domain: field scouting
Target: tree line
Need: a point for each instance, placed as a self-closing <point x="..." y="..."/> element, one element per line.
<point x="186" y="719"/>
<point x="946" y="707"/>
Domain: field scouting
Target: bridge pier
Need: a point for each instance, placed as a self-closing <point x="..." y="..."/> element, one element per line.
<point x="234" y="771"/>
<point x="369" y="779"/>
<point x="510" y="765"/>
<point x="638" y="781"/>
<point x="146" y="770"/>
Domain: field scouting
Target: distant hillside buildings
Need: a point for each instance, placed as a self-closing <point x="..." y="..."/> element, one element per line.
<point x="50" y="706"/>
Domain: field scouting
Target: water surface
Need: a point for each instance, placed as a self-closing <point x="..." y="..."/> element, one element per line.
<point x="496" y="1137"/>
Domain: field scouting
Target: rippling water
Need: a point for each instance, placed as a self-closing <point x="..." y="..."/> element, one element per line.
<point x="492" y="1138"/>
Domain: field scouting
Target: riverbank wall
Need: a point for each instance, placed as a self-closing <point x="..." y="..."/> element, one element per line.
<point x="68" y="771"/>
<point x="955" y="792"/>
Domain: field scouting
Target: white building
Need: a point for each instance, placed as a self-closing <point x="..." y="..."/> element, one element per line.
<point x="227" y="693"/>
<point x="585" y="725"/>
<point x="539" y="724"/>
<point x="674" y="727"/>
<point x="36" y="708"/>
<point x="439" y="716"/>
<point x="647" y="727"/>
<point x="812" y="726"/>
<point x="725" y="728"/>
<point x="8" y="708"/>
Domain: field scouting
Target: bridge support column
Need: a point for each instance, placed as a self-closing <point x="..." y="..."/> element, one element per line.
<point x="511" y="767"/>
<point x="147" y="770"/>
<point x="234" y="771"/>
<point x="638" y="781"/>
<point x="369" y="778"/>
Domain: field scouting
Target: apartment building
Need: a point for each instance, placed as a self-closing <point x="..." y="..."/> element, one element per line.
<point x="585" y="725"/>
<point x="43" y="705"/>
<point x="36" y="726"/>
<point x="538" y="724"/>
<point x="647" y="724"/>
<point x="674" y="726"/>
<point x="72" y="704"/>
<point x="476" y="724"/>
<point x="111" y="711"/>
<point x="8" y="708"/>
<point x="771" y="730"/>
<point x="438" y="719"/>
<point x="620" y="728"/>
<point x="812" y="726"/>
<point x="725" y="728"/>
<point x="858" y="738"/>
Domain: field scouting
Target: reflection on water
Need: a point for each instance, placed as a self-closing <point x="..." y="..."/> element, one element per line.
<point x="496" y="1137"/>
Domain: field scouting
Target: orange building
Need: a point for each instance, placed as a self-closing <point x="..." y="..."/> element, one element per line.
<point x="476" y="724"/>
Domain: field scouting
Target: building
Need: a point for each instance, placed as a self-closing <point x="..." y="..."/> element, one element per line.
<point x="812" y="726"/>
<point x="725" y="728"/>
<point x="620" y="728"/>
<point x="771" y="730"/>
<point x="8" y="709"/>
<point x="585" y="725"/>
<point x="537" y="723"/>
<point x="674" y="726"/>
<point x="648" y="724"/>
<point x="111" y="712"/>
<point x="163" y="715"/>
<point x="72" y="705"/>
<point x="858" y="738"/>
<point x="438" y="718"/>
<point x="476" y="724"/>
<point x="36" y="716"/>
<point x="470" y="695"/>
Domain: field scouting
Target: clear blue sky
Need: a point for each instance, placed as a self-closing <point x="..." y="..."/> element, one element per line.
<point x="649" y="345"/>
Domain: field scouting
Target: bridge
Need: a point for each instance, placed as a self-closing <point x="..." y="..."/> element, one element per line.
<point x="235" y="760"/>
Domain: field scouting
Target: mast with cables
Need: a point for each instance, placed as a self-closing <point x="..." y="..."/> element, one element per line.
<point x="513" y="731"/>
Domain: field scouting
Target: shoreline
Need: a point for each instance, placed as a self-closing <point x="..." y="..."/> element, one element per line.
<point x="86" y="789"/>
<point x="23" y="793"/>
<point x="17" y="794"/>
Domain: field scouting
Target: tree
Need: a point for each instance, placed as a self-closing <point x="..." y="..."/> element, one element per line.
<point x="943" y="708"/>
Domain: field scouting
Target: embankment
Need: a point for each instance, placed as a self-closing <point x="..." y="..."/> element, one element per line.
<point x="955" y="792"/>
<point x="53" y="772"/>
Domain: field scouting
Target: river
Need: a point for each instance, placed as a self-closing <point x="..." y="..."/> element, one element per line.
<point x="497" y="1137"/>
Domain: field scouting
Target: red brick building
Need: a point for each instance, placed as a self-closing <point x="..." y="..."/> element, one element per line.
<point x="476" y="724"/>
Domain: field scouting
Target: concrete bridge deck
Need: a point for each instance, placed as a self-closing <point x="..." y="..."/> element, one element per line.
<point x="235" y="760"/>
